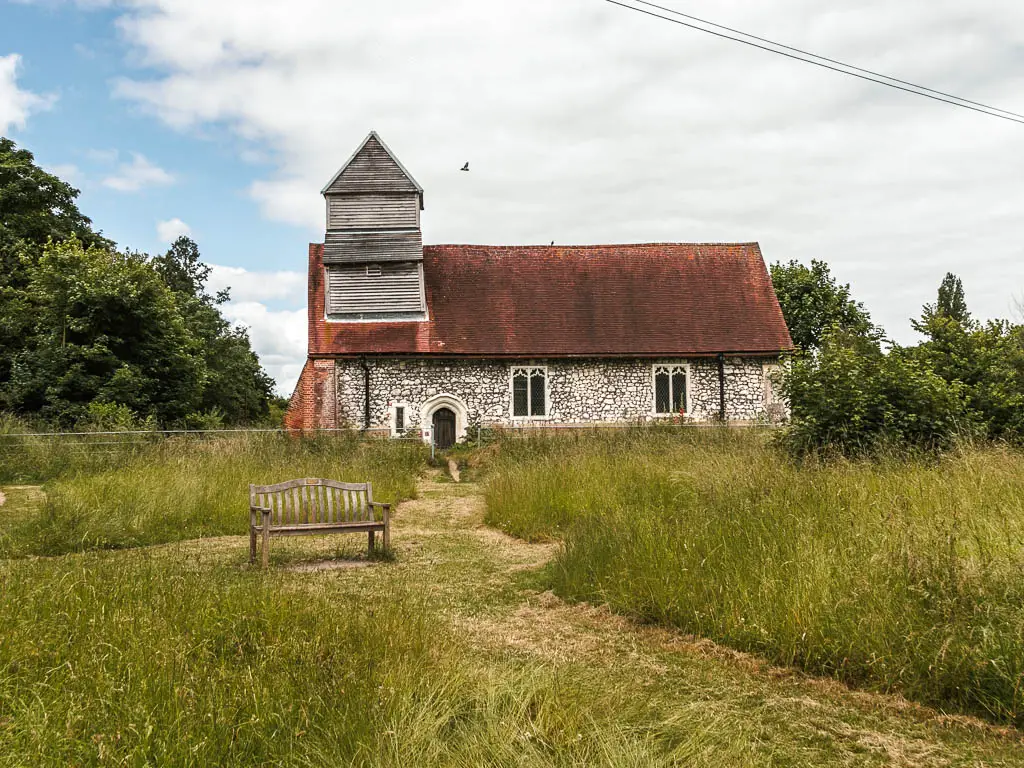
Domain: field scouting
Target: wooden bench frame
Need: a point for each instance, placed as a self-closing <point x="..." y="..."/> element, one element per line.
<point x="313" y="506"/>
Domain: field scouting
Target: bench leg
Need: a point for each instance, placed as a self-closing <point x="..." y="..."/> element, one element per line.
<point x="252" y="538"/>
<point x="371" y="537"/>
<point x="266" y="541"/>
<point x="387" y="536"/>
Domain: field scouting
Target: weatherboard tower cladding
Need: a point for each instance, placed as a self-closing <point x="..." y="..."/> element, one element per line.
<point x="433" y="340"/>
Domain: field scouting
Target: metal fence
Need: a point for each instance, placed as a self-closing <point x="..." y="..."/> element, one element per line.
<point x="114" y="440"/>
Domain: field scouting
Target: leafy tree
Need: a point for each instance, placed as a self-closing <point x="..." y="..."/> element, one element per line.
<point x="86" y="331"/>
<point x="35" y="207"/>
<point x="814" y="304"/>
<point x="952" y="303"/>
<point x="853" y="398"/>
<point x="986" y="359"/>
<point x="235" y="387"/>
<point x="106" y="329"/>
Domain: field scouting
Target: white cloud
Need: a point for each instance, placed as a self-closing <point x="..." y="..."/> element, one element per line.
<point x="138" y="174"/>
<point x="585" y="122"/>
<point x="246" y="286"/>
<point x="170" y="230"/>
<point x="278" y="337"/>
<point x="66" y="172"/>
<point x="16" y="104"/>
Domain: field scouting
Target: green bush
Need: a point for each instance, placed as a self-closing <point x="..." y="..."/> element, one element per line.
<point x="853" y="398"/>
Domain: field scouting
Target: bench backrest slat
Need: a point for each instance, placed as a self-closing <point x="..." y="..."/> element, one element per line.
<point x="313" y="501"/>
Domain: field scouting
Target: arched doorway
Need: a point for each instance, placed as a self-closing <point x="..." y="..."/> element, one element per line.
<point x="444" y="428"/>
<point x="454" y="406"/>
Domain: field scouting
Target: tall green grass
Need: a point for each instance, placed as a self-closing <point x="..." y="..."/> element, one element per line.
<point x="138" y="659"/>
<point x="179" y="490"/>
<point x="898" y="575"/>
<point x="30" y="453"/>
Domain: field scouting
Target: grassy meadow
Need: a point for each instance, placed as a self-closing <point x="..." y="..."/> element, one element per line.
<point x="456" y="653"/>
<point x="898" y="575"/>
<point x="178" y="489"/>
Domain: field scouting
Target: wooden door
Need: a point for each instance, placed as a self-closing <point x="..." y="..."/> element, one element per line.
<point x="444" y="428"/>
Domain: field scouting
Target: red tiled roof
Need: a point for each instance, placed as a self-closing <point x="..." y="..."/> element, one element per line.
<point x="608" y="300"/>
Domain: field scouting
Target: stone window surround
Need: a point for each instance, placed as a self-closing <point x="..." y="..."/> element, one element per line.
<point x="770" y="374"/>
<point x="393" y="418"/>
<point x="687" y="398"/>
<point x="529" y="368"/>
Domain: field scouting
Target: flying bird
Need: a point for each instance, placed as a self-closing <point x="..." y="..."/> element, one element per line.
<point x="465" y="167"/>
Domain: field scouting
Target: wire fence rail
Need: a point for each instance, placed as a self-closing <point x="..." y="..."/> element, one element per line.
<point x="125" y="441"/>
<point x="119" y="440"/>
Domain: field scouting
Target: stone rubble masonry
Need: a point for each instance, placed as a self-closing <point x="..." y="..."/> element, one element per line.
<point x="579" y="391"/>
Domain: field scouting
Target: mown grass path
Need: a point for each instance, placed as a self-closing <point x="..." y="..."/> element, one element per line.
<point x="489" y="590"/>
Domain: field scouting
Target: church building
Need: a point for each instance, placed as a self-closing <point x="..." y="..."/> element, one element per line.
<point x="436" y="340"/>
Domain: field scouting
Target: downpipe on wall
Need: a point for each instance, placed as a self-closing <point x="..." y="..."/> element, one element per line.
<point x="721" y="386"/>
<point x="366" y="393"/>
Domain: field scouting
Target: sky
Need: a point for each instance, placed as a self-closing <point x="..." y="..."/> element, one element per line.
<point x="583" y="123"/>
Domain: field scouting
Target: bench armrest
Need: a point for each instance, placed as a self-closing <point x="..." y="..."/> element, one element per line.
<point x="264" y="512"/>
<point x="386" y="508"/>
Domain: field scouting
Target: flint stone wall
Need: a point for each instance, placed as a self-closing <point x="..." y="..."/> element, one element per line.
<point x="579" y="391"/>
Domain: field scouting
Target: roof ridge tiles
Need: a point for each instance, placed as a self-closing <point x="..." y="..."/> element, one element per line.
<point x="588" y="246"/>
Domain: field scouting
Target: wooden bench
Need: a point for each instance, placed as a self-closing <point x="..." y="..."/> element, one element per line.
<point x="313" y="506"/>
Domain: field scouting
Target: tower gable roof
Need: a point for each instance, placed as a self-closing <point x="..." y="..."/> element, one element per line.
<point x="372" y="169"/>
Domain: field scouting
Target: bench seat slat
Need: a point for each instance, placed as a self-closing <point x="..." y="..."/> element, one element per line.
<point x="296" y="530"/>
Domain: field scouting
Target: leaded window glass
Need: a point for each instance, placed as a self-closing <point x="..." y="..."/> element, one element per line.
<point x="520" y="393"/>
<point x="670" y="389"/>
<point x="529" y="392"/>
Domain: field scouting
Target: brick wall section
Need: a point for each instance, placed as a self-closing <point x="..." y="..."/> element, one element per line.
<point x="314" y="403"/>
<point x="315" y="300"/>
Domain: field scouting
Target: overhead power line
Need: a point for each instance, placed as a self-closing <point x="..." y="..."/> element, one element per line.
<point x="819" y="61"/>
